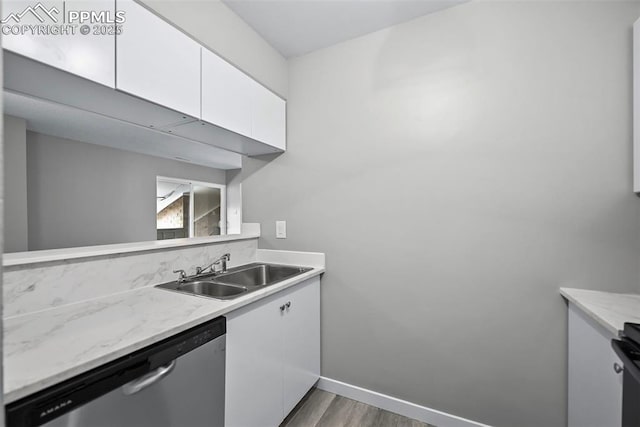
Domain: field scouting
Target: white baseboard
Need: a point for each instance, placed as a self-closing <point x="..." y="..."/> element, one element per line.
<point x="392" y="404"/>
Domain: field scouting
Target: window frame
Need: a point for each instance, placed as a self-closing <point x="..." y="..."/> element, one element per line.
<point x="192" y="183"/>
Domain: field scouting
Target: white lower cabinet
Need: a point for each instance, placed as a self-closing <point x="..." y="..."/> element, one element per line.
<point x="273" y="356"/>
<point x="595" y="388"/>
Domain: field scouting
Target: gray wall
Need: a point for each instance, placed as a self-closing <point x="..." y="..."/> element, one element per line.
<point x="81" y="194"/>
<point x="15" y="190"/>
<point x="457" y="170"/>
<point x="221" y="30"/>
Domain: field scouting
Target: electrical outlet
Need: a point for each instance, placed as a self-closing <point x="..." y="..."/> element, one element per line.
<point x="281" y="229"/>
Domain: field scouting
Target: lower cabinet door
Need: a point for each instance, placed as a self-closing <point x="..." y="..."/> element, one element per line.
<point x="254" y="366"/>
<point x="301" y="341"/>
<point x="595" y="389"/>
<point x="273" y="356"/>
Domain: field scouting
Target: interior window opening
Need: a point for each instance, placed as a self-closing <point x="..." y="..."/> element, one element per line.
<point x="187" y="208"/>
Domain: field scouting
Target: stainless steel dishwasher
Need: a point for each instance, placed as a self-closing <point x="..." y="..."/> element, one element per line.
<point x="178" y="382"/>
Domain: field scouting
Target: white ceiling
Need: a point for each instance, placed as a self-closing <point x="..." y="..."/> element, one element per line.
<point x="296" y="27"/>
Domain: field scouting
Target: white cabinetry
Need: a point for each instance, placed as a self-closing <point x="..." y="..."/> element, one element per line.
<point x="226" y="94"/>
<point x="595" y="389"/>
<point x="165" y="80"/>
<point x="234" y="101"/>
<point x="301" y="345"/>
<point x="90" y="56"/>
<point x="273" y="356"/>
<point x="268" y="117"/>
<point x="157" y="62"/>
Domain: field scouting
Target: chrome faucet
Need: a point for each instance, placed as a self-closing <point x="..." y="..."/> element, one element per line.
<point x="222" y="261"/>
<point x="182" y="275"/>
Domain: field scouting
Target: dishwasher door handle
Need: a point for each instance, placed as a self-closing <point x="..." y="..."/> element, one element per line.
<point x="148" y="379"/>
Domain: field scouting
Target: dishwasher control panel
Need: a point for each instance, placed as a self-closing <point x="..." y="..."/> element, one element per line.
<point x="209" y="334"/>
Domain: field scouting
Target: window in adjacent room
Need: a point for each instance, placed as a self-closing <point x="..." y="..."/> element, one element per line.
<point x="189" y="208"/>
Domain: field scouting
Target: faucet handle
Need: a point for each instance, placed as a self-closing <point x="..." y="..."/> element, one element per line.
<point x="182" y="274"/>
<point x="213" y="266"/>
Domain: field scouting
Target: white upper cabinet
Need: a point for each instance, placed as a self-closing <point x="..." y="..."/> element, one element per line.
<point x="233" y="100"/>
<point x="157" y="62"/>
<point x="226" y="94"/>
<point x="268" y="117"/>
<point x="165" y="80"/>
<point x="91" y="56"/>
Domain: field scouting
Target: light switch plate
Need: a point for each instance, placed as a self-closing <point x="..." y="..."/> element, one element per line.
<point x="281" y="229"/>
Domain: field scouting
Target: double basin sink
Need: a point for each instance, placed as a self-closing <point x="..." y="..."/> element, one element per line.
<point x="235" y="282"/>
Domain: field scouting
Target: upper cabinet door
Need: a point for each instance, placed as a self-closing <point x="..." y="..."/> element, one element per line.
<point x="268" y="117"/>
<point x="91" y="56"/>
<point x="233" y="100"/>
<point x="156" y="61"/>
<point x="226" y="94"/>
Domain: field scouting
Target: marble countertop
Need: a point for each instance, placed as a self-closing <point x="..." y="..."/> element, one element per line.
<point x="609" y="309"/>
<point x="51" y="346"/>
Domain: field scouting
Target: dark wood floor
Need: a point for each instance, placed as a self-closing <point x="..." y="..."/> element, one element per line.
<point x="322" y="409"/>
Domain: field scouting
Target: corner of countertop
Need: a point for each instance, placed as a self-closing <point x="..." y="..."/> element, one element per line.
<point x="609" y="309"/>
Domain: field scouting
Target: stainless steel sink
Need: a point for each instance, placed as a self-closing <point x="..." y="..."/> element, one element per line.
<point x="260" y="275"/>
<point x="212" y="289"/>
<point x="236" y="281"/>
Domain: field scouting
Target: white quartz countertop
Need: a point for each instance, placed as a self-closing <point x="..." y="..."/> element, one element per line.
<point x="51" y="346"/>
<point x="609" y="309"/>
